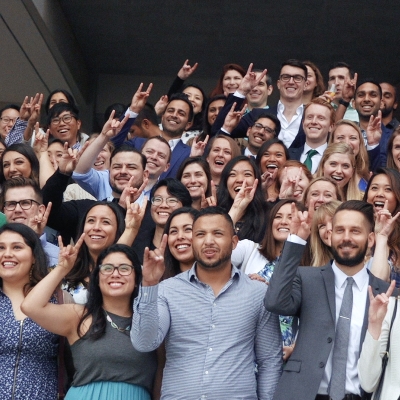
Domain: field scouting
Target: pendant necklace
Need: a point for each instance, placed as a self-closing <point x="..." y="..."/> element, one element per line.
<point x="115" y="326"/>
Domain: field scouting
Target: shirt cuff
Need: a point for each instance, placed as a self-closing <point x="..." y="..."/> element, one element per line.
<point x="238" y="94"/>
<point x="225" y="131"/>
<point x="148" y="294"/>
<point x="372" y="147"/>
<point x="131" y="113"/>
<point x="296" y="239"/>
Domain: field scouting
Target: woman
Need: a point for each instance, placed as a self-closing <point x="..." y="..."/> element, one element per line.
<point x="211" y="111"/>
<point x="270" y="158"/>
<point x="3" y="147"/>
<point x="229" y="81"/>
<point x="383" y="192"/>
<point x="320" y="239"/>
<point x="58" y="96"/>
<point x="322" y="190"/>
<point x="19" y="160"/>
<point x="338" y="163"/>
<point x="315" y="82"/>
<point x="103" y="225"/>
<point x="381" y="311"/>
<point x="293" y="180"/>
<point x="221" y="150"/>
<point x="393" y="153"/>
<point x="107" y="366"/>
<point x="178" y="256"/>
<point x="28" y="354"/>
<point x="195" y="174"/>
<point x="241" y="172"/>
<point x="348" y="132"/>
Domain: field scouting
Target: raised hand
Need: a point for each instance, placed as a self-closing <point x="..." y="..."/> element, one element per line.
<point x="134" y="214"/>
<point x="197" y="149"/>
<point x="139" y="98"/>
<point x="161" y="105"/>
<point x="68" y="254"/>
<point x="38" y="222"/>
<point x="268" y="179"/>
<point x="384" y="221"/>
<point x="349" y="88"/>
<point x="374" y="129"/>
<point x="242" y="200"/>
<point x="233" y="118"/>
<point x="41" y="141"/>
<point x="132" y="193"/>
<point x="153" y="264"/>
<point x="300" y="223"/>
<point x="212" y="200"/>
<point x="68" y="160"/>
<point x="290" y="181"/>
<point x="377" y="310"/>
<point x="113" y="126"/>
<point x="250" y="80"/>
<point x="30" y="109"/>
<point x="186" y="70"/>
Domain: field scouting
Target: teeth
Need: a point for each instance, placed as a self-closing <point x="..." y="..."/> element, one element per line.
<point x="97" y="164"/>
<point x="237" y="189"/>
<point x="163" y="214"/>
<point x="218" y="162"/>
<point x="283" y="230"/>
<point x="96" y="237"/>
<point x="337" y="178"/>
<point x="379" y="204"/>
<point x="272" y="166"/>
<point x="115" y="284"/>
<point x="9" y="263"/>
<point x="182" y="246"/>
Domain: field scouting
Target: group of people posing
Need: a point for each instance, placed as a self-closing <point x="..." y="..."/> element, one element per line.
<point x="204" y="248"/>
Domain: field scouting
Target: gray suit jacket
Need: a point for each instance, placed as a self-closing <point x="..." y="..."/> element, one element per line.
<point x="309" y="293"/>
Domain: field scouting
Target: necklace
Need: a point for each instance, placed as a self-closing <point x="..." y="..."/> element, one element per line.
<point x="115" y="326"/>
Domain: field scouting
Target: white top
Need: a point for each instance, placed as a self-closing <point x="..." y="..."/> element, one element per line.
<point x="316" y="159"/>
<point x="247" y="257"/>
<point x="289" y="129"/>
<point x="370" y="363"/>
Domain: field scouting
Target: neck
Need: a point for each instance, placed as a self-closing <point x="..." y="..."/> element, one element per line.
<point x="185" y="266"/>
<point x="250" y="106"/>
<point x="291" y="106"/>
<point x="158" y="235"/>
<point x="307" y="97"/>
<point x="252" y="149"/>
<point x="171" y="135"/>
<point x="217" y="277"/>
<point x="387" y="119"/>
<point x="115" y="194"/>
<point x="363" y="122"/>
<point x="12" y="289"/>
<point x="151" y="183"/>
<point x="350" y="271"/>
<point x="94" y="256"/>
<point x="316" y="143"/>
<point x="215" y="178"/>
<point x="118" y="306"/>
<point x="196" y="204"/>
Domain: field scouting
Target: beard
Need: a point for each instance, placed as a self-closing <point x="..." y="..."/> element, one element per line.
<point x="348" y="261"/>
<point x="386" y="111"/>
<point x="211" y="265"/>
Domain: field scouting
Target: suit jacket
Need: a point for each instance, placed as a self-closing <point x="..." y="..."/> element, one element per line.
<point x="309" y="293"/>
<point x="295" y="153"/>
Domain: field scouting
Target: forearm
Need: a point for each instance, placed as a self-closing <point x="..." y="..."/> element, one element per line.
<point x="119" y="139"/>
<point x="341" y="110"/>
<point x="46" y="169"/>
<point x="380" y="266"/>
<point x="89" y="156"/>
<point x="175" y="87"/>
<point x="128" y="236"/>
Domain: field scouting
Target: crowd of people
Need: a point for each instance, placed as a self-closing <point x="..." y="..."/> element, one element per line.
<point x="204" y="247"/>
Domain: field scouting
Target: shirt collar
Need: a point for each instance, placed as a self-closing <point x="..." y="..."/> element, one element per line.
<point x="319" y="149"/>
<point x="193" y="276"/>
<point x="360" y="278"/>
<point x="299" y="110"/>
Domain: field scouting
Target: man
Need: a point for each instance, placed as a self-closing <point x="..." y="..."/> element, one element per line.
<point x="339" y="72"/>
<point x="334" y="320"/>
<point x="318" y="122"/>
<point x="8" y="115"/>
<point x="389" y="104"/>
<point x="23" y="203"/>
<point x="211" y="317"/>
<point x="146" y="123"/>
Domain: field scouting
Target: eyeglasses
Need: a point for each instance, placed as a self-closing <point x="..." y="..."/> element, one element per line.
<point x="158" y="200"/>
<point x="24" y="204"/>
<point x="123" y="269"/>
<point x="6" y="120"/>
<point x="265" y="129"/>
<point x="296" y="78"/>
<point x="65" y="118"/>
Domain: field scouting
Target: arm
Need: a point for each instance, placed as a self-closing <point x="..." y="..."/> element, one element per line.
<point x="34" y="116"/>
<point x="242" y="200"/>
<point x="349" y="87"/>
<point x="133" y="220"/>
<point x="184" y="73"/>
<point x="40" y="147"/>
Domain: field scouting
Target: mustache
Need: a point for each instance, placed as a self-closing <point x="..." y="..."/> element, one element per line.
<point x="347" y="243"/>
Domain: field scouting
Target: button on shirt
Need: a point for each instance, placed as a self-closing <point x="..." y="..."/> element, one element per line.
<point x="289" y="129"/>
<point x="360" y="293"/>
<point x="211" y="342"/>
<point x="316" y="157"/>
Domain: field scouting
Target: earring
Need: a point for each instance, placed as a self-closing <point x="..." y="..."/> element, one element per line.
<point x="30" y="273"/>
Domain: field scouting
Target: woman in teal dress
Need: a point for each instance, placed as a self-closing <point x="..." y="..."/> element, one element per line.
<point x="107" y="366"/>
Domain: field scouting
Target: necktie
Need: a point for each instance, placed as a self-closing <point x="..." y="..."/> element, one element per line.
<point x="308" y="161"/>
<point x="339" y="359"/>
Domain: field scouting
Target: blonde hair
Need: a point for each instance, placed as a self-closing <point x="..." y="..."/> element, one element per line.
<point x="320" y="252"/>
<point x="362" y="160"/>
<point x="351" y="190"/>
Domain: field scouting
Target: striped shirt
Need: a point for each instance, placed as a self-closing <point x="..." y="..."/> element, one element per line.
<point x="212" y="343"/>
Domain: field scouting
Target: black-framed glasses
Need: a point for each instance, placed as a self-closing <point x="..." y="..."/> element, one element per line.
<point x="296" y="78"/>
<point x="158" y="200"/>
<point x="24" y="204"/>
<point x="6" y="120"/>
<point x="265" y="129"/>
<point x="65" y="118"/>
<point x="123" y="269"/>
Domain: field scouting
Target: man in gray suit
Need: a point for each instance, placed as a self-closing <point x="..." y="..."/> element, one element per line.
<point x="319" y="368"/>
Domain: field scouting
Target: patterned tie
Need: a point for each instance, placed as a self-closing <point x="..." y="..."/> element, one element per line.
<point x="340" y="350"/>
<point x="308" y="162"/>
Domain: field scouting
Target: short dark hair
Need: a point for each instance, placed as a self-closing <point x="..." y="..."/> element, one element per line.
<point x="266" y="145"/>
<point x="209" y="211"/>
<point x="396" y="92"/>
<point x="18" y="182"/>
<point x="273" y="118"/>
<point x="160" y="139"/>
<point x="183" y="97"/>
<point x="174" y="188"/>
<point x="203" y="163"/>
<point x="59" y="108"/>
<point x="369" y="80"/>
<point x="129" y="149"/>
<point x="67" y="95"/>
<point x="119" y="109"/>
<point x="295" y="63"/>
<point x="147" y="112"/>
<point x="31" y="239"/>
<point x="342" y="64"/>
<point x="361" y="206"/>
<point x="268" y="78"/>
<point x="8" y="107"/>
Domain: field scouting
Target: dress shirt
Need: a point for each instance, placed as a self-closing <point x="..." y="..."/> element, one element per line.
<point x="212" y="342"/>
<point x="316" y="158"/>
<point x="248" y="153"/>
<point x="173" y="142"/>
<point x="351" y="113"/>
<point x="97" y="183"/>
<point x="289" y="129"/>
<point x="360" y="293"/>
<point x="50" y="249"/>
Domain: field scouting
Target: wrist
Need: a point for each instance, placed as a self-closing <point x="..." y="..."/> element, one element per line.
<point x="344" y="102"/>
<point x="149" y="283"/>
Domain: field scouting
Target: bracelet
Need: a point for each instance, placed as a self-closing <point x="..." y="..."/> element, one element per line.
<point x="344" y="103"/>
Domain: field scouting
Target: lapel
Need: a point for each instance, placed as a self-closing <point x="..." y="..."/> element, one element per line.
<point x="329" y="281"/>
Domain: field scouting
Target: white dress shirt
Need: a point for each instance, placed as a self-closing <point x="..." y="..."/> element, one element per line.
<point x="316" y="159"/>
<point x="289" y="129"/>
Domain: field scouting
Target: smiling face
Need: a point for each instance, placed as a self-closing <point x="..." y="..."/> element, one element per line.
<point x="321" y="192"/>
<point x="195" y="180"/>
<point x="15" y="164"/>
<point x="195" y="97"/>
<point x="337" y="76"/>
<point x="157" y="154"/>
<point x="180" y="238"/>
<point x="325" y="230"/>
<point x="347" y="134"/>
<point x="317" y="124"/>
<point x="231" y="81"/>
<point x="389" y="102"/>
<point x="66" y="131"/>
<point x="12" y="116"/>
<point x="396" y="151"/>
<point x="380" y="190"/>
<point x="160" y="213"/>
<point x="213" y="110"/>
<point x="100" y="229"/>
<point x="274" y="157"/>
<point x="220" y="154"/>
<point x="302" y="183"/>
<point x="281" y="223"/>
<point x="339" y="168"/>
<point x="175" y="119"/>
<point x="16" y="258"/>
<point x="116" y="285"/>
<point x="367" y="100"/>
<point x="55" y="152"/>
<point x="58" y="97"/>
<point x="258" y="96"/>
<point x="311" y="82"/>
<point x="258" y="135"/>
<point x="242" y="172"/>
<point x="291" y="90"/>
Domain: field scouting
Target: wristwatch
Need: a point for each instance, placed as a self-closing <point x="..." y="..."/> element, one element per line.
<point x="344" y="103"/>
